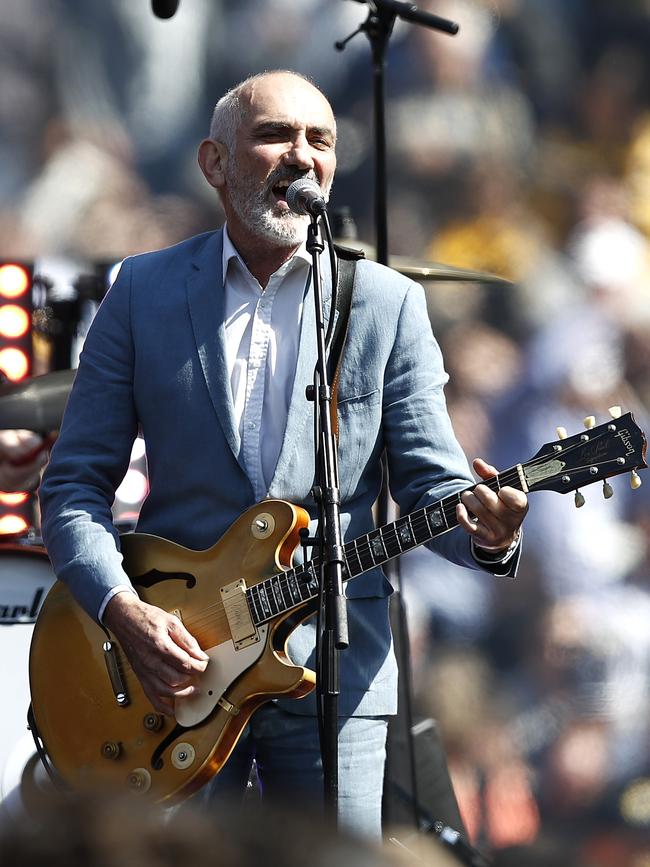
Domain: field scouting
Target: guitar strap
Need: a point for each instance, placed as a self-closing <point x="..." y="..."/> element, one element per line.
<point x="347" y="262"/>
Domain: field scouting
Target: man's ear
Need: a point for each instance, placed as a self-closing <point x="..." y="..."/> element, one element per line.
<point x="212" y="157"/>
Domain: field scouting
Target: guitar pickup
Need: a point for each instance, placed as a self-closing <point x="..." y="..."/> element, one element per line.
<point x="242" y="629"/>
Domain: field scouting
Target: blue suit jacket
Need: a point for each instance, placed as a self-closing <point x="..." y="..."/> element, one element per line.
<point x="155" y="357"/>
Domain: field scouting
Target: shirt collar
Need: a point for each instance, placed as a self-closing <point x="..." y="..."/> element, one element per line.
<point x="230" y="252"/>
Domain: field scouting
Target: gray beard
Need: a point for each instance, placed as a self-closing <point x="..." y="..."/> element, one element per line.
<point x="284" y="229"/>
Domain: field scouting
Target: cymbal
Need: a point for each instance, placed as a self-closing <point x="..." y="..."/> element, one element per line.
<point x="35" y="404"/>
<point x="425" y="271"/>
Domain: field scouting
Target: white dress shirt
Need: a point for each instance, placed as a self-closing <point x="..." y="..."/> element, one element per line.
<point x="262" y="337"/>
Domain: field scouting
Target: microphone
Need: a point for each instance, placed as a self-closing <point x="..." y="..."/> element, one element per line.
<point x="164" y="8"/>
<point x="306" y="197"/>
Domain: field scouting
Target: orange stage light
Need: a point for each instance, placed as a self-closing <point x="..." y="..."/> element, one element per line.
<point x="14" y="321"/>
<point x="13" y="498"/>
<point x="14" y="281"/>
<point x="11" y="525"/>
<point x="14" y="363"/>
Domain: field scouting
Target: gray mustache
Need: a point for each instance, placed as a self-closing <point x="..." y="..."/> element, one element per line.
<point x="285" y="174"/>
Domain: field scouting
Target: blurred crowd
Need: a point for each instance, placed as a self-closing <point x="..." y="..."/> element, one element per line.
<point x="518" y="148"/>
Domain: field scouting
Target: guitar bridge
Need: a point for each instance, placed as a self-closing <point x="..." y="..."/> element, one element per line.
<point x="242" y="629"/>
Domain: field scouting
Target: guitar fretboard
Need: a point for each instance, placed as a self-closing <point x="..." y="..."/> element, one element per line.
<point x="593" y="455"/>
<point x="287" y="590"/>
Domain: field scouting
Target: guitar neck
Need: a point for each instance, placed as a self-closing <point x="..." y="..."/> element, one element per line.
<point x="287" y="590"/>
<point x="616" y="447"/>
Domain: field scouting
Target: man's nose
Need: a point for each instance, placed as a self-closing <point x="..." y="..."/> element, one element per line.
<point x="299" y="154"/>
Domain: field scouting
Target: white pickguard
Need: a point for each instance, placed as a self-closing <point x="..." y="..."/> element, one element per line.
<point x="224" y="667"/>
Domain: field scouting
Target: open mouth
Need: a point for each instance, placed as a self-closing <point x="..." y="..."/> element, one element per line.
<point x="279" y="191"/>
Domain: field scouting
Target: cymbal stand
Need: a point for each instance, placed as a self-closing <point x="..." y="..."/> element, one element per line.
<point x="378" y="27"/>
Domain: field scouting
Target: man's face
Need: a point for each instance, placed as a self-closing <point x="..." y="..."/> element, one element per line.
<point x="288" y="132"/>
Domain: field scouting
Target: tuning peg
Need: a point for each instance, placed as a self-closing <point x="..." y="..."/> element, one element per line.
<point x="608" y="491"/>
<point x="561" y="433"/>
<point x="579" y="500"/>
<point x="615" y="411"/>
<point x="589" y="422"/>
<point x="635" y="480"/>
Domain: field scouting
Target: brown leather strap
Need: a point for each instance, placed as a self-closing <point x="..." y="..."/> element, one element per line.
<point x="347" y="261"/>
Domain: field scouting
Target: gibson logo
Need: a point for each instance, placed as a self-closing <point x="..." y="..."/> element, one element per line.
<point x="626" y="439"/>
<point x="13" y="613"/>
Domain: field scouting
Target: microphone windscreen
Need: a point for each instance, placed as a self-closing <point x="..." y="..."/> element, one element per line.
<point x="296" y="191"/>
<point x="164" y="8"/>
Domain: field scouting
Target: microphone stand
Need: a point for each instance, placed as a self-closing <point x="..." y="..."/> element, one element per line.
<point x="327" y="495"/>
<point x="378" y="27"/>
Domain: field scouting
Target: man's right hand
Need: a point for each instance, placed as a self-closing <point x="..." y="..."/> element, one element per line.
<point x="162" y="653"/>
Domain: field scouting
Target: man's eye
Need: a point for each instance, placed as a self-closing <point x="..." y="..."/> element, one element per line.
<point x="276" y="134"/>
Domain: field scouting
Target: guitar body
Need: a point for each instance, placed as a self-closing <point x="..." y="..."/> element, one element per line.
<point x="98" y="727"/>
<point x="241" y="601"/>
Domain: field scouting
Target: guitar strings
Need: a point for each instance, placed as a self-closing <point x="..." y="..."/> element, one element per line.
<point x="214" y="614"/>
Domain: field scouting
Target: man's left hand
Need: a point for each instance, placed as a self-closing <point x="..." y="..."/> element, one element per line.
<point x="492" y="518"/>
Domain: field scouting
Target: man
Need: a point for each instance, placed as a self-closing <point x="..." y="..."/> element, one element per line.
<point x="209" y="346"/>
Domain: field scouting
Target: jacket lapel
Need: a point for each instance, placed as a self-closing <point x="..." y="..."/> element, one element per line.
<point x="205" y="296"/>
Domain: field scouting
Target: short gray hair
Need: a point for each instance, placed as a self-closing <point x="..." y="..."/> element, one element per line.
<point x="229" y="111"/>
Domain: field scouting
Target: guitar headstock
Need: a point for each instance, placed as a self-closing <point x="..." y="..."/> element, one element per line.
<point x="596" y="454"/>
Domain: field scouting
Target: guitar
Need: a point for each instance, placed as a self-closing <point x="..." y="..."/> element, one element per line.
<point x="241" y="599"/>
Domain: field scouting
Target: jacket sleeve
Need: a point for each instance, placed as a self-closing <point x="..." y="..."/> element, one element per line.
<point x="91" y="456"/>
<point x="425" y="460"/>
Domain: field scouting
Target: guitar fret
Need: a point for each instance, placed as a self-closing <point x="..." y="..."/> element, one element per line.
<point x="253" y="596"/>
<point x="391" y="541"/>
<point x="435" y="519"/>
<point x="420" y="529"/>
<point x="365" y="555"/>
<point x="350" y="552"/>
<point x="283" y="584"/>
<point x="264" y="600"/>
<point x="294" y="587"/>
<point x="376" y="546"/>
<point x="277" y="593"/>
<point x="270" y="595"/>
<point x="404" y="533"/>
<point x="312" y="579"/>
<point x="304" y="581"/>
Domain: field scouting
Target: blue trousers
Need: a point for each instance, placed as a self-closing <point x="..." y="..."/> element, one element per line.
<point x="286" y="751"/>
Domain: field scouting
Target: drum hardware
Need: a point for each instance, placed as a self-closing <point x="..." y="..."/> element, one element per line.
<point x="36" y="404"/>
<point x="41" y="752"/>
<point x="418" y="269"/>
<point x="25" y="784"/>
<point x="25" y="578"/>
<point x="22" y="613"/>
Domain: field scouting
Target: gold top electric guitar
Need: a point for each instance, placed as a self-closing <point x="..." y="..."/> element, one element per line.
<point x="241" y="600"/>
